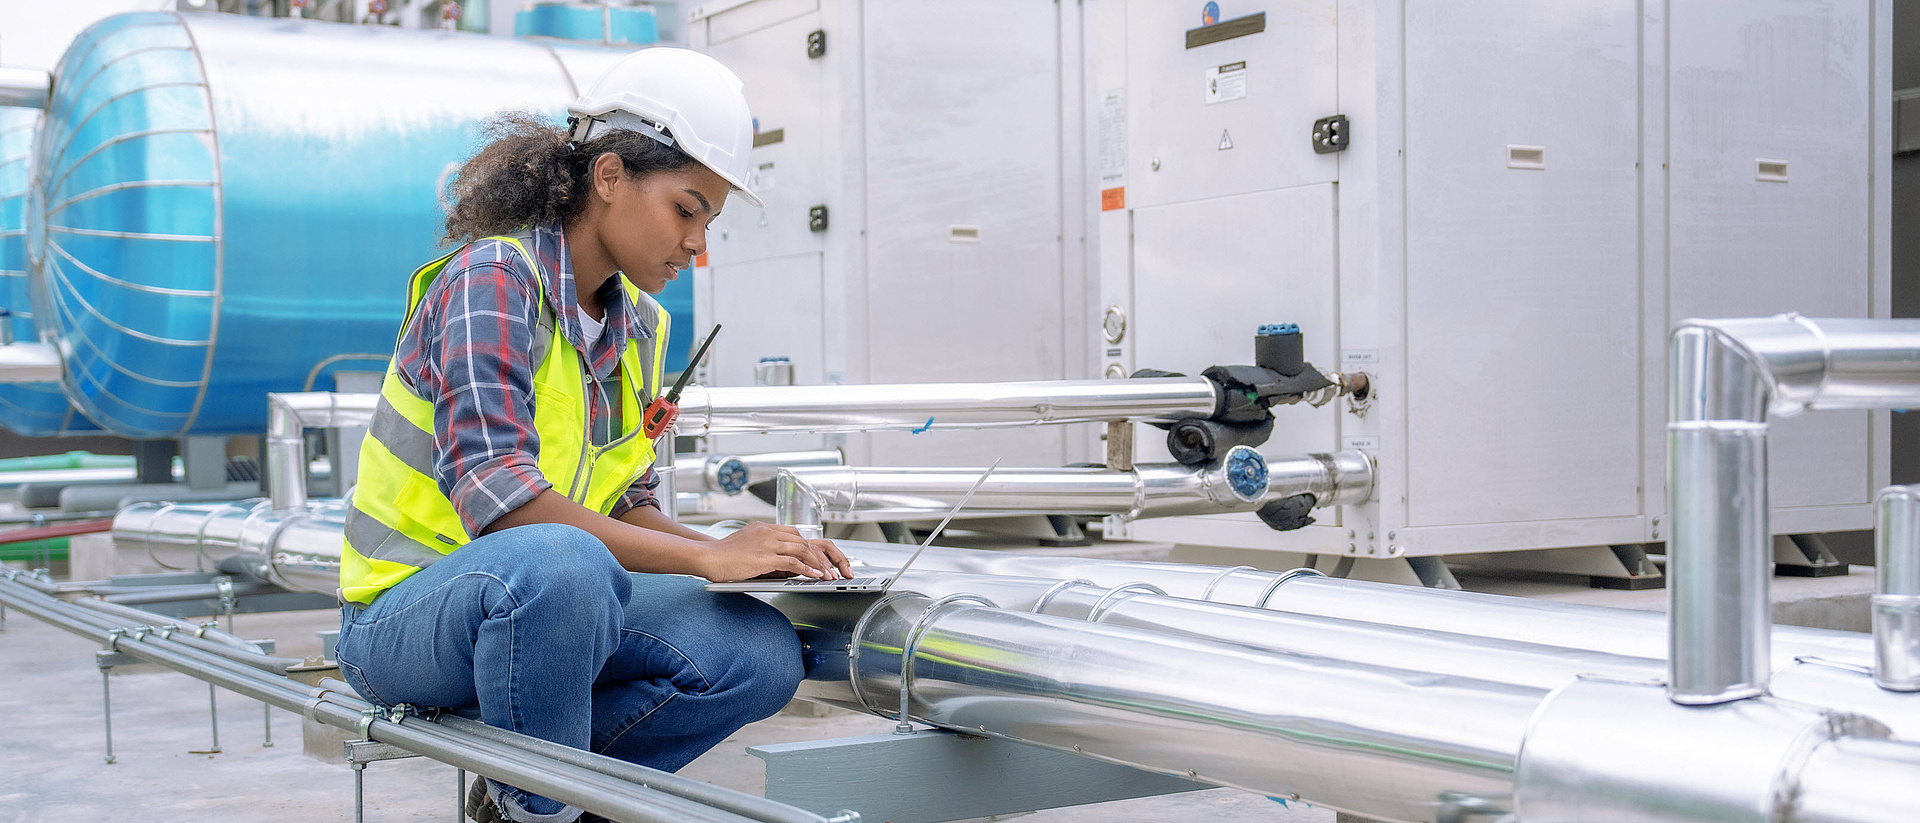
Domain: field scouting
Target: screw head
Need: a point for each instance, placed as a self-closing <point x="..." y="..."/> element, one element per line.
<point x="1156" y="164"/>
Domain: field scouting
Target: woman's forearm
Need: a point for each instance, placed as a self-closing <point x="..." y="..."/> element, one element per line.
<point x="638" y="547"/>
<point x="648" y="517"/>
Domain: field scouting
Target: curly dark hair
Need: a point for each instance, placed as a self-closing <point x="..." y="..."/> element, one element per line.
<point x="528" y="173"/>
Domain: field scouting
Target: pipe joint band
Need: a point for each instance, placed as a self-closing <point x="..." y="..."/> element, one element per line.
<point x="1207" y="595"/>
<point x="1113" y="598"/>
<point x="1046" y="597"/>
<point x="1281" y="581"/>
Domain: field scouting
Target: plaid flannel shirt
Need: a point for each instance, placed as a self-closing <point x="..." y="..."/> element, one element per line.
<point x="470" y="350"/>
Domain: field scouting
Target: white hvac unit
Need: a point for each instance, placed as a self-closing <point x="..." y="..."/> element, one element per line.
<point x="1524" y="198"/>
<point x="926" y="220"/>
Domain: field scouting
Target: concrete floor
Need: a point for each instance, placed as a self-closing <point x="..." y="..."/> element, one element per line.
<point x="51" y="750"/>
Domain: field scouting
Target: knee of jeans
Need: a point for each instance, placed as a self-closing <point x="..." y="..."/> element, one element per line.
<point x="569" y="559"/>
<point x="770" y="655"/>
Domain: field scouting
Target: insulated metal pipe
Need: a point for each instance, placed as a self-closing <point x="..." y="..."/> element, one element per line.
<point x="1896" y="590"/>
<point x="1625" y="632"/>
<point x="1383" y="743"/>
<point x="1725" y="377"/>
<point x="1240" y="481"/>
<point x="733" y="473"/>
<point x="29" y="362"/>
<point x="289" y="414"/>
<point x="832" y="408"/>
<point x="25" y="88"/>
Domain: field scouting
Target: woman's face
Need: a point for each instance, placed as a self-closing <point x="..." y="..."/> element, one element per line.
<point x="654" y="225"/>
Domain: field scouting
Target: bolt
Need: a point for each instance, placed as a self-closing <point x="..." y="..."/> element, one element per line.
<point x="1156" y="164"/>
<point x="1076" y="748"/>
<point x="1390" y="535"/>
<point x="1349" y="533"/>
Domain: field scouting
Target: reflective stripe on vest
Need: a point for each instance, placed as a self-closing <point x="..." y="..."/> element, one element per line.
<point x="399" y="522"/>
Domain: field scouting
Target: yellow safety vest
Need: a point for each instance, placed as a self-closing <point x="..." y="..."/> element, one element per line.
<point x="399" y="522"/>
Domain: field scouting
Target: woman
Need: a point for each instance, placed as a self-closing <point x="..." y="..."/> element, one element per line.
<point x="505" y="556"/>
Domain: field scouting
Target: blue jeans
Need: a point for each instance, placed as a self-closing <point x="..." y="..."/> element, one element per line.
<point x="537" y="630"/>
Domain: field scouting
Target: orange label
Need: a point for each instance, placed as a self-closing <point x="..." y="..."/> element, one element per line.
<point x="1115" y="198"/>
<point x="701" y="261"/>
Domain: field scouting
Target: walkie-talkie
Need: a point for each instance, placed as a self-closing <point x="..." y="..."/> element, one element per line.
<point x="661" y="413"/>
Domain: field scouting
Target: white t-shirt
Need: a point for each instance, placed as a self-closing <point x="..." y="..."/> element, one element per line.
<point x="590" y="329"/>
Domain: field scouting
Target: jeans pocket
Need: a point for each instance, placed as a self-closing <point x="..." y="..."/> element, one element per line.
<point x="358" y="680"/>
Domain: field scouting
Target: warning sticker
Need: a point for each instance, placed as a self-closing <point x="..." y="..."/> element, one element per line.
<point x="1226" y="140"/>
<point x="1225" y="83"/>
<point x="1113" y="137"/>
<point x="1114" y="198"/>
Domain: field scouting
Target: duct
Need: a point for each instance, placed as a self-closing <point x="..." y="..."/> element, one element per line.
<point x="29" y="363"/>
<point x="1725" y="377"/>
<point x="1896" y="590"/>
<point x="289" y="414"/>
<point x="733" y="473"/>
<point x="1848" y="688"/>
<point x="834" y="408"/>
<point x="569" y="783"/>
<point x="1379" y="742"/>
<point x="1625" y="753"/>
<point x="1624" y="632"/>
<point x="25" y="88"/>
<point x="1240" y="481"/>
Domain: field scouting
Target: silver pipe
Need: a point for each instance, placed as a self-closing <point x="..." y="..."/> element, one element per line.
<point x="1857" y="780"/>
<point x="1624" y="632"/>
<point x="1232" y="483"/>
<point x="733" y="473"/>
<point x="1725" y="377"/>
<point x="25" y="88"/>
<point x="29" y="362"/>
<point x="289" y="414"/>
<point x="1383" y="743"/>
<point x="832" y="408"/>
<point x="1896" y="590"/>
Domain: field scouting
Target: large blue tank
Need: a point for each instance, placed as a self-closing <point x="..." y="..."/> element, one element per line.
<point x="232" y="204"/>
<point x="32" y="409"/>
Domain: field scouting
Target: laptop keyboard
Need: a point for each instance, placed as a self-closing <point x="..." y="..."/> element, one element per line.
<point x="808" y="582"/>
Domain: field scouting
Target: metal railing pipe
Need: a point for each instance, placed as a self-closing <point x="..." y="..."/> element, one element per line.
<point x="1896" y="589"/>
<point x="835" y="408"/>
<point x="706" y="794"/>
<point x="575" y="785"/>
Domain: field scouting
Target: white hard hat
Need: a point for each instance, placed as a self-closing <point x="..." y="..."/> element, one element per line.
<point x="682" y="98"/>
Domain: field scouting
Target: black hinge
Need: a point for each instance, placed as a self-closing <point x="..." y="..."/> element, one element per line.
<point x="817" y="218"/>
<point x="1330" y="134"/>
<point x="816" y="44"/>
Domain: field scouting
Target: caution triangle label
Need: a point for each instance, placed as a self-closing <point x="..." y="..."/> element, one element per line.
<point x="1226" y="140"/>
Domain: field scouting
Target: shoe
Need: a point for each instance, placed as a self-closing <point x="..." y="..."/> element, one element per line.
<point x="480" y="806"/>
<point x="482" y="809"/>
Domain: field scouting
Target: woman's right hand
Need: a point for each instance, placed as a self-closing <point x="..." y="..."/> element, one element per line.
<point x="761" y="549"/>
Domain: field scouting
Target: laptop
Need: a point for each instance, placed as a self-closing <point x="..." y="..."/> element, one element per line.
<point x="855" y="585"/>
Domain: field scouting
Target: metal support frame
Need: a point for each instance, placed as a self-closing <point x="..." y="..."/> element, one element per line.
<point x="361" y="752"/>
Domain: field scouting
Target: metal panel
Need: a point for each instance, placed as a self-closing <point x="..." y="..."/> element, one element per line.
<point x="1783" y="81"/>
<point x="778" y="303"/>
<point x="965" y="255"/>
<point x="1286" y="79"/>
<point x="1522" y="283"/>
<point x="1207" y="274"/>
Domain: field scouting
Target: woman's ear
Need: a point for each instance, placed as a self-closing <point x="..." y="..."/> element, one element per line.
<point x="608" y="172"/>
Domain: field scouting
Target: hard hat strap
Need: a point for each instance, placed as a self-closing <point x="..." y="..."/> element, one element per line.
<point x="584" y="127"/>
